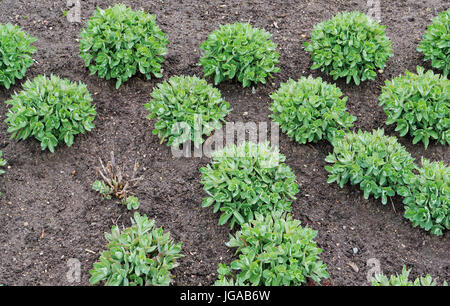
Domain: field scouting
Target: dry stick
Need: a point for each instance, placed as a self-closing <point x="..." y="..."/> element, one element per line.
<point x="392" y="202"/>
<point x="115" y="175"/>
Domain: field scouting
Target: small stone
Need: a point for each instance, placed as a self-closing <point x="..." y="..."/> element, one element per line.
<point x="355" y="250"/>
<point x="25" y="224"/>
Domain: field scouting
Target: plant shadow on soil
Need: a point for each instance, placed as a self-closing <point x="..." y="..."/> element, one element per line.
<point x="49" y="213"/>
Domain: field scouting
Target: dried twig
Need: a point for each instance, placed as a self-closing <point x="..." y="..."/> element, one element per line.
<point x="118" y="182"/>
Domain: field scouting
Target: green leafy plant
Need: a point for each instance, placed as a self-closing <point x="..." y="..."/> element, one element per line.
<point x="419" y="104"/>
<point x="378" y="163"/>
<point x="115" y="182"/>
<point x="436" y="42"/>
<point x="310" y="109"/>
<point x="274" y="250"/>
<point x="427" y="197"/>
<point x="140" y="255"/>
<point x="403" y="280"/>
<point x="186" y="102"/>
<point x="119" y="42"/>
<point x="15" y="54"/>
<point x="103" y="189"/>
<point x="131" y="202"/>
<point x="52" y="110"/>
<point x="2" y="163"/>
<point x="239" y="51"/>
<point x="245" y="179"/>
<point x="351" y="46"/>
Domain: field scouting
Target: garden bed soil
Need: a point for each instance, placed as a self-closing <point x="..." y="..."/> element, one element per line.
<point x="49" y="213"/>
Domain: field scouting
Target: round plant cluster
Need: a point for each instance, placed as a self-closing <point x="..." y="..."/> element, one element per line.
<point x="239" y="51"/>
<point x="427" y="197"/>
<point x="274" y="250"/>
<point x="140" y="255"/>
<point x="119" y="42"/>
<point x="419" y="104"/>
<point x="378" y="163"/>
<point x="186" y="108"/>
<point x="245" y="179"/>
<point x="310" y="109"/>
<point x="52" y="110"/>
<point x="436" y="42"/>
<point x="15" y="54"/>
<point x="350" y="45"/>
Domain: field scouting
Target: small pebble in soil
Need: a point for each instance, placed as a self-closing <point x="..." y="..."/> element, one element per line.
<point x="355" y="250"/>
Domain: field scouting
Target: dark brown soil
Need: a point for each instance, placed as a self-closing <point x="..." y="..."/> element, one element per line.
<point x="49" y="214"/>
